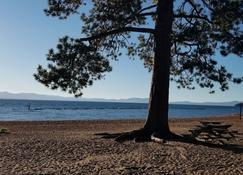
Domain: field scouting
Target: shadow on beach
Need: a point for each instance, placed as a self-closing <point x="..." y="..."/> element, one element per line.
<point x="185" y="138"/>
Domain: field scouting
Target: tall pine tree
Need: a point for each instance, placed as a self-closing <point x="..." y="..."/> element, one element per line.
<point x="176" y="40"/>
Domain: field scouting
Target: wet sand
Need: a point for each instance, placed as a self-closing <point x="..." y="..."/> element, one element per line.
<point x="70" y="147"/>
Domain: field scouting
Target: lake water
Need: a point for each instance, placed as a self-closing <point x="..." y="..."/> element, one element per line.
<point x="35" y="110"/>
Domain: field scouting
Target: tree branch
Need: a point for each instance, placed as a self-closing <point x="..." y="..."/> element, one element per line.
<point x="147" y="8"/>
<point x="192" y="16"/>
<point x="147" y="14"/>
<point x="117" y="31"/>
<point x="207" y="5"/>
<point x="194" y="7"/>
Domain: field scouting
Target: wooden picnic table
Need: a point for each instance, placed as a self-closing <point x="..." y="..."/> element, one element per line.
<point x="213" y="132"/>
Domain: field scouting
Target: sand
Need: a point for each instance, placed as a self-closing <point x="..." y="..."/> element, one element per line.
<point x="70" y="147"/>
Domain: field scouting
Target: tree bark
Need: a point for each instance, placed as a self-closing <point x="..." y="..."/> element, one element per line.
<point x="157" y="120"/>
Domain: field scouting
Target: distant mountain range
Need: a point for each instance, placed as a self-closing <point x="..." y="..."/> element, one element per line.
<point x="229" y="103"/>
<point x="33" y="96"/>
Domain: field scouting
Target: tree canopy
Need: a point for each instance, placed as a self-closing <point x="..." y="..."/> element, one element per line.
<point x="200" y="30"/>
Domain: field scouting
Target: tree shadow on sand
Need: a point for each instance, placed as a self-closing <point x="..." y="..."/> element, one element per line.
<point x="185" y="138"/>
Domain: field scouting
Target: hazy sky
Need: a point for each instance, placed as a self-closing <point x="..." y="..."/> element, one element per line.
<point x="26" y="34"/>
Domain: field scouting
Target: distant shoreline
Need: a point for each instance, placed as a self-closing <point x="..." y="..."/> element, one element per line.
<point x="34" y="96"/>
<point x="228" y="117"/>
<point x="220" y="104"/>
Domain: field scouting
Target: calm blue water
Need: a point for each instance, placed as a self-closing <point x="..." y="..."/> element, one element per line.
<point x="66" y="110"/>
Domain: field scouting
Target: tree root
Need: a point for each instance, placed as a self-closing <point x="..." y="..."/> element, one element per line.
<point x="140" y="135"/>
<point x="137" y="135"/>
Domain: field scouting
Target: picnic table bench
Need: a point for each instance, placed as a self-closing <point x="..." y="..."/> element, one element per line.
<point x="214" y="132"/>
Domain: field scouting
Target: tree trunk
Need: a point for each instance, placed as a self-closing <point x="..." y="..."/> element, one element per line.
<point x="157" y="125"/>
<point x="157" y="121"/>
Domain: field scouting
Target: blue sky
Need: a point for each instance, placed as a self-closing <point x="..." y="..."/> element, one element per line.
<point x="26" y="34"/>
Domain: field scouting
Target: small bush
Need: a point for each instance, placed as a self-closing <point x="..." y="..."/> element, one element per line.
<point x="3" y="130"/>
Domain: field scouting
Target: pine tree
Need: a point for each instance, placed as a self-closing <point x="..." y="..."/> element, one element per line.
<point x="176" y="40"/>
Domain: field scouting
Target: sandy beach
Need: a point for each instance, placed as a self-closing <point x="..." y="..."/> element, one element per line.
<point x="70" y="147"/>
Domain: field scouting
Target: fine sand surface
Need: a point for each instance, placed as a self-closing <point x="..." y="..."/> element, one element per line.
<point x="70" y="147"/>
